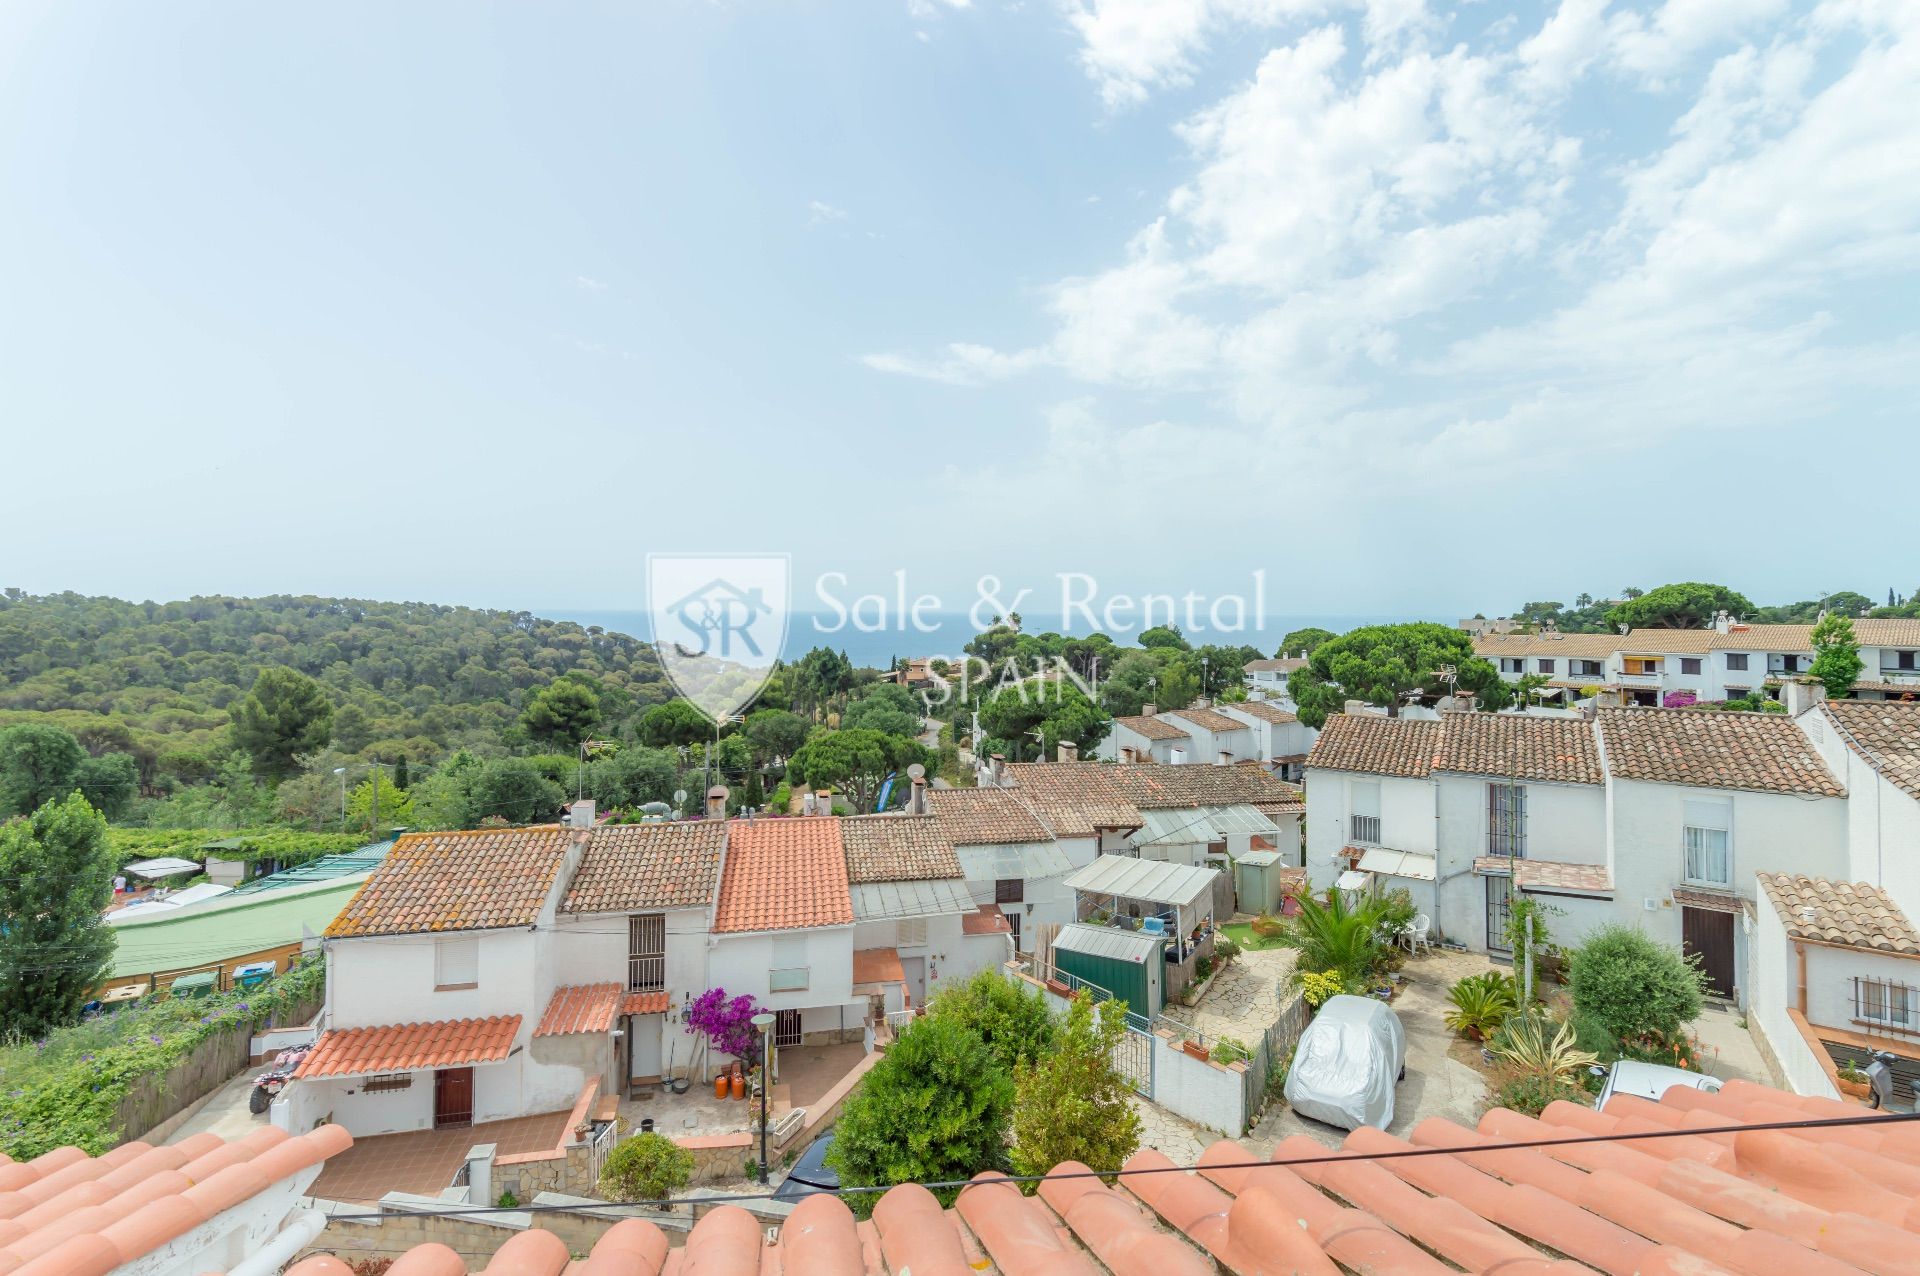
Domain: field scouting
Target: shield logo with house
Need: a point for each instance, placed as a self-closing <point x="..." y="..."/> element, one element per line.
<point x="719" y="624"/>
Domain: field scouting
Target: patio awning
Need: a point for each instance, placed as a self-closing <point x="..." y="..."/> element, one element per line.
<point x="165" y="866"/>
<point x="580" y="1008"/>
<point x="410" y="1047"/>
<point x="1174" y="828"/>
<point x="1388" y="863"/>
<point x="1031" y="860"/>
<point x="877" y="966"/>
<point x="881" y="901"/>
<point x="1155" y="881"/>
<point x="1240" y="818"/>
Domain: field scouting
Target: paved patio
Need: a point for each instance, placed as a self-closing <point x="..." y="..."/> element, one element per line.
<point x="806" y="1073"/>
<point x="1244" y="999"/>
<point x="424" y="1161"/>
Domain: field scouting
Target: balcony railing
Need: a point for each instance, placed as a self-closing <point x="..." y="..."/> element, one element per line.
<point x="647" y="973"/>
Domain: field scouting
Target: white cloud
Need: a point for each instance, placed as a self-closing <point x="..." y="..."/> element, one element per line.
<point x="587" y="283"/>
<point x="959" y="364"/>
<point x="819" y="211"/>
<point x="1130" y="47"/>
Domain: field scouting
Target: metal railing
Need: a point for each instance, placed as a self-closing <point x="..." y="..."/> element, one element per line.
<point x="647" y="972"/>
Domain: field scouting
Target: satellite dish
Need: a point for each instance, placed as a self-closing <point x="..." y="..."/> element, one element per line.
<point x="916" y="771"/>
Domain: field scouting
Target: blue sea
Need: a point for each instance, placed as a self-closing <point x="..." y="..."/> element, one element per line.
<point x="947" y="632"/>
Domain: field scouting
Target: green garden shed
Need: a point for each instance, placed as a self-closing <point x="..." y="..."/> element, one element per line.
<point x="1128" y="964"/>
<point x="1258" y="887"/>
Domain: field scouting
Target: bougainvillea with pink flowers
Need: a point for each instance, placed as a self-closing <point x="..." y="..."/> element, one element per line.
<point x="726" y="1021"/>
<point x="1678" y="699"/>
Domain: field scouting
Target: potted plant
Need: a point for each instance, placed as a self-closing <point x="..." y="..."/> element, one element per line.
<point x="1196" y="1049"/>
<point x="1854" y="1082"/>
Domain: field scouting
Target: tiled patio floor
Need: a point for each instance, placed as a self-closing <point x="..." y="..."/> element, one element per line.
<point x="424" y="1161"/>
<point x="806" y="1073"/>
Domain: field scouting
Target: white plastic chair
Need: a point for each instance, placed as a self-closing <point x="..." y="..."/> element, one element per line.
<point x="1417" y="932"/>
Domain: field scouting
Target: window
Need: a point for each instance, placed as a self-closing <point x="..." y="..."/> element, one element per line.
<point x="1588" y="668"/>
<point x="1884" y="1002"/>
<point x="387" y="1081"/>
<point x="1689" y="664"/>
<point x="647" y="952"/>
<point x="1645" y="666"/>
<point x="1512" y="664"/>
<point x="1546" y="666"/>
<point x="911" y="933"/>
<point x="1363" y="799"/>
<point x="1903" y="660"/>
<point x="456" y="963"/>
<point x="1507" y="820"/>
<point x="1707" y="841"/>
<point x="789" y="971"/>
<point x="1010" y="890"/>
<point x="1737" y="661"/>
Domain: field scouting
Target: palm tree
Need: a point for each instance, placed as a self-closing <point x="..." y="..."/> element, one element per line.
<point x="1337" y="936"/>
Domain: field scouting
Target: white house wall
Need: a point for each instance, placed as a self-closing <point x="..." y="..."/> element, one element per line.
<point x="1883" y="822"/>
<point x="592" y="949"/>
<point x="389" y="979"/>
<point x="740" y="963"/>
<point x="1774" y="971"/>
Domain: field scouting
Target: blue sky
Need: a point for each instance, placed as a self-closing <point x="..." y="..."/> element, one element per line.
<point x="1418" y="306"/>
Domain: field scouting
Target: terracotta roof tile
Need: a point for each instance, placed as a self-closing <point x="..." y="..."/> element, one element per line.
<point x="632" y="1245"/>
<point x="1668" y="642"/>
<point x="643" y="1003"/>
<point x="988" y="919"/>
<point x="408" y="1047"/>
<point x="897" y="848"/>
<point x="1284" y="664"/>
<point x="1160" y="785"/>
<point x="1152" y="728"/>
<point x="65" y="1212"/>
<point x="1547" y="875"/>
<point x="1211" y="719"/>
<point x="1769" y="1202"/>
<point x="1522" y="746"/>
<point x="1570" y="646"/>
<point x="627" y="867"/>
<point x="1077" y="799"/>
<point x="1265" y="710"/>
<point x="477" y="880"/>
<point x="1765" y="638"/>
<point x="985" y="816"/>
<point x="1894" y="631"/>
<point x="1376" y="745"/>
<point x="784" y="874"/>
<point x="1852" y="914"/>
<point x="1714" y="749"/>
<point x="1884" y="732"/>
<point x="878" y="966"/>
<point x="580" y="1008"/>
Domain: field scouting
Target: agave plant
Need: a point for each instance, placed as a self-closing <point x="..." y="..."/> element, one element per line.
<point x="1481" y="1004"/>
<point x="1534" y="1045"/>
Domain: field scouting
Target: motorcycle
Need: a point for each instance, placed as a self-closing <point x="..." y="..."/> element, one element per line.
<point x="268" y="1085"/>
<point x="1880" y="1080"/>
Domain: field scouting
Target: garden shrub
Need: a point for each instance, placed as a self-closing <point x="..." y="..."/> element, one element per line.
<point x="646" y="1167"/>
<point x="285" y="846"/>
<point x="1267" y="926"/>
<point x="66" y="1087"/>
<point x="1481" y="1003"/>
<point x="1224" y="948"/>
<point x="1631" y="985"/>
<point x="1316" y="986"/>
<point x="1013" y="1022"/>
<point x="1531" y="1094"/>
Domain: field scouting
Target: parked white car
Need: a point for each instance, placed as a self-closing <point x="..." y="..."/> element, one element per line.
<point x="1651" y="1080"/>
<point x="1347" y="1063"/>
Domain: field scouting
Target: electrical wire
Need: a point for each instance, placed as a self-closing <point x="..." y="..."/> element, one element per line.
<point x="1332" y="1156"/>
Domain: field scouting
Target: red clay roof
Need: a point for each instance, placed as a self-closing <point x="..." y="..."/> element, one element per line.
<point x="408" y="1047"/>
<point x="988" y="919"/>
<point x="66" y="1213"/>
<point x="635" y="867"/>
<point x="580" y="1008"/>
<point x="631" y="1247"/>
<point x="1715" y="749"/>
<point x="897" y="848"/>
<point x="1765" y="1202"/>
<point x="878" y="966"/>
<point x="784" y="874"/>
<point x="476" y="880"/>
<point x="1152" y="728"/>
<point x="986" y="817"/>
<point x="643" y="1003"/>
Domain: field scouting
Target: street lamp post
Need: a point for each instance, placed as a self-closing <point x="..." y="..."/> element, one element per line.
<point x="763" y="1024"/>
<point x="342" y="773"/>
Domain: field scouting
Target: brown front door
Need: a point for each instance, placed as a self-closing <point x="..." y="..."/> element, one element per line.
<point x="1709" y="933"/>
<point x="452" y="1097"/>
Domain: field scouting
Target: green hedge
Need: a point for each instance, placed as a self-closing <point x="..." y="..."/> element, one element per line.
<point x="67" y="1087"/>
<point x="289" y="846"/>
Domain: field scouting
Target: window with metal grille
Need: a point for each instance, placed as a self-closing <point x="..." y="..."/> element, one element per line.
<point x="1507" y="820"/>
<point x="1881" y="1001"/>
<point x="1010" y="890"/>
<point x="1707" y="843"/>
<point x="910" y="933"/>
<point x="1363" y="799"/>
<point x="647" y="952"/>
<point x="387" y="1081"/>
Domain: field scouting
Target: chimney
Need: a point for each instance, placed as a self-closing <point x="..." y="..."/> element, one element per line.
<point x="580" y="814"/>
<point x="1149" y="709"/>
<point x="997" y="766"/>
<point x="823" y="802"/>
<point x="717" y="802"/>
<point x="1177" y="756"/>
<point x="917" y="797"/>
<point x="1069" y="751"/>
<point x="1129" y="754"/>
<point x="1225" y="759"/>
<point x="1722" y="621"/>
<point x="1802" y="694"/>
<point x="806" y="804"/>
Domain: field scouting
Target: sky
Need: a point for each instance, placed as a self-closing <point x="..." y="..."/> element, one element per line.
<point x="1418" y="307"/>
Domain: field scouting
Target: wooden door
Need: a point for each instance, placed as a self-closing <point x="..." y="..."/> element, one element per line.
<point x="1709" y="933"/>
<point x="452" y="1097"/>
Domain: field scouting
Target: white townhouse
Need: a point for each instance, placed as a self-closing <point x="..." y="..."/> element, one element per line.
<point x="501" y="973"/>
<point x="1572" y="664"/>
<point x="1281" y="741"/>
<point x="1269" y="677"/>
<point x="1216" y="737"/>
<point x="1010" y="860"/>
<point x="1462" y="811"/>
<point x="1148" y="737"/>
